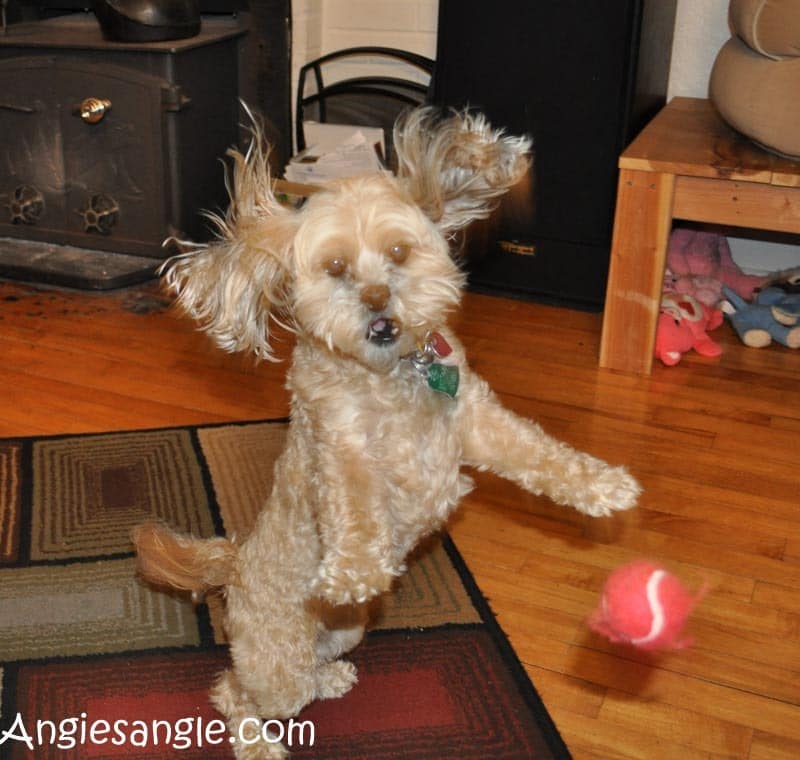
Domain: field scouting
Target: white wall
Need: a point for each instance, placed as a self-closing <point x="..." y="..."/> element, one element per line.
<point x="701" y="28"/>
<point x="407" y="24"/>
<point x="322" y="26"/>
<point x="307" y="27"/>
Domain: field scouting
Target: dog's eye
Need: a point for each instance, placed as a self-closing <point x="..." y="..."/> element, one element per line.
<point x="336" y="266"/>
<point x="399" y="252"/>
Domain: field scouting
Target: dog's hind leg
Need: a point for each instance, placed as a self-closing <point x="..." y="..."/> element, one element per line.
<point x="248" y="738"/>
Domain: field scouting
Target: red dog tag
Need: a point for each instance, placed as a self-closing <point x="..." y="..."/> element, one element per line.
<point x="440" y="346"/>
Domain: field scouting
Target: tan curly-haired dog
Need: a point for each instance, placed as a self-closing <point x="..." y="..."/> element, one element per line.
<point x="385" y="409"/>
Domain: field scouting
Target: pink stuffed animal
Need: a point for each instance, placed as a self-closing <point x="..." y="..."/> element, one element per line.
<point x="700" y="263"/>
<point x="707" y="290"/>
<point x="683" y="325"/>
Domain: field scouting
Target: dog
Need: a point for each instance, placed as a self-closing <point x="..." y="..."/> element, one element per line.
<point x="385" y="410"/>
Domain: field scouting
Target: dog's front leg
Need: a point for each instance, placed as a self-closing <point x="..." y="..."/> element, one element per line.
<point x="496" y="439"/>
<point x="357" y="561"/>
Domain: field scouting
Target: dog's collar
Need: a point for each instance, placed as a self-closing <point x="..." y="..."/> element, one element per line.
<point x="441" y="376"/>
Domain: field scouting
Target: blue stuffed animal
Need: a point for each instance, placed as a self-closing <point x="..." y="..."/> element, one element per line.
<point x="773" y="315"/>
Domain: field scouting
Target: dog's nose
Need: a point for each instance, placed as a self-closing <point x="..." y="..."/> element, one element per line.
<point x="375" y="296"/>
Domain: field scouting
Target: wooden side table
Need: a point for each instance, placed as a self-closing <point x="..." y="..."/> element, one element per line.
<point x="686" y="164"/>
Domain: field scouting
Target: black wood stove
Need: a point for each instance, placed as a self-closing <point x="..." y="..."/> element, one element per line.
<point x="107" y="148"/>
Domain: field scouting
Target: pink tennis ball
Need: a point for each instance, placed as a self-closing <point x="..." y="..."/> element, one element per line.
<point x="643" y="605"/>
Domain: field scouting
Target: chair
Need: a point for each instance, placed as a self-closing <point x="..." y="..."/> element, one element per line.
<point x="369" y="101"/>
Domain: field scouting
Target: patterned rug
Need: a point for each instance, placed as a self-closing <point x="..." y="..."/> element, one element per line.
<point x="93" y="664"/>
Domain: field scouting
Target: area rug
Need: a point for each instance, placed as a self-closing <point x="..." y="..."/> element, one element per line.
<point x="94" y="664"/>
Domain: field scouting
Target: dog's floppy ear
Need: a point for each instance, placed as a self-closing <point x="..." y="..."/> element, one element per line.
<point x="455" y="166"/>
<point x="235" y="285"/>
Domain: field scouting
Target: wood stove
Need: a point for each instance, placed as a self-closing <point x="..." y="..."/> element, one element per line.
<point x="111" y="147"/>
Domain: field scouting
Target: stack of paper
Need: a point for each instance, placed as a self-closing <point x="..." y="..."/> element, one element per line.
<point x="335" y="151"/>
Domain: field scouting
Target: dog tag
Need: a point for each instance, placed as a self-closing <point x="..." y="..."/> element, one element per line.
<point x="443" y="378"/>
<point x="440" y="346"/>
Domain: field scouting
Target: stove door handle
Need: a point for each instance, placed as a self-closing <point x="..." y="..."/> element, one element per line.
<point x="92" y="110"/>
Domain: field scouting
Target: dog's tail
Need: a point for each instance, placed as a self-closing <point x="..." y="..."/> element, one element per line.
<point x="167" y="558"/>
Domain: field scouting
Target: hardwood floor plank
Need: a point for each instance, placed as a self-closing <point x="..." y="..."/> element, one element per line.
<point x="568" y="693"/>
<point x="686" y="727"/>
<point x="603" y="739"/>
<point x="777" y="597"/>
<point x="647" y="682"/>
<point x="768" y="747"/>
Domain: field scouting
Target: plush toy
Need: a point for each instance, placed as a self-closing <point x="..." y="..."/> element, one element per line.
<point x="683" y="325"/>
<point x="706" y="290"/>
<point x="645" y="606"/>
<point x="789" y="282"/>
<point x="785" y="307"/>
<point x="700" y="263"/>
<point x="774" y="315"/>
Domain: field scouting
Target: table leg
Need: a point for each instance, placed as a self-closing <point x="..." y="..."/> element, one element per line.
<point x="638" y="254"/>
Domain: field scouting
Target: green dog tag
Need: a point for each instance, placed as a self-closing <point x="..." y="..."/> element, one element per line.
<point x="443" y="378"/>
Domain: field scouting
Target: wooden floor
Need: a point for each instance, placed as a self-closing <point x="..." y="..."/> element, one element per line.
<point x="716" y="444"/>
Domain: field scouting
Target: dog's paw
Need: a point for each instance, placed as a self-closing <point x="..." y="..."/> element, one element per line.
<point x="261" y="751"/>
<point x="350" y="585"/>
<point x="254" y="747"/>
<point x="611" y="489"/>
<point x="348" y="592"/>
<point x="335" y="679"/>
